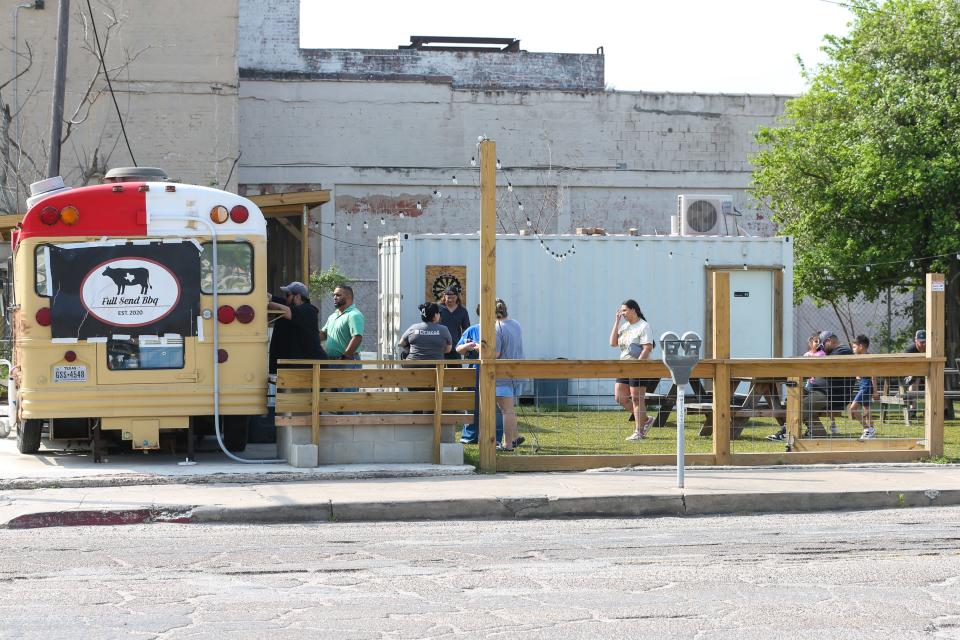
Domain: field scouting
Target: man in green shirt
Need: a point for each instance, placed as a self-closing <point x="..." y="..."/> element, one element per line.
<point x="343" y="330"/>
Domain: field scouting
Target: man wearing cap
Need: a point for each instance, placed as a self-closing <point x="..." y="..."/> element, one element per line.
<point x="919" y="345"/>
<point x="828" y="394"/>
<point x="296" y="334"/>
<point x="454" y="317"/>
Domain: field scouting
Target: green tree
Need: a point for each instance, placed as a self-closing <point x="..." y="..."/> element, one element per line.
<point x="324" y="282"/>
<point x="865" y="169"/>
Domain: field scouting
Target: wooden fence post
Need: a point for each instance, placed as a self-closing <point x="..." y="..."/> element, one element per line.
<point x="933" y="395"/>
<point x="721" y="379"/>
<point x="315" y="404"/>
<point x="437" y="412"/>
<point x="488" y="293"/>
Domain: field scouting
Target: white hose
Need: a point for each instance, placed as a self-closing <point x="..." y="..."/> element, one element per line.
<point x="216" y="342"/>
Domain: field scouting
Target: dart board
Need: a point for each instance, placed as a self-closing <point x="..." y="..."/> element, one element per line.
<point x="439" y="277"/>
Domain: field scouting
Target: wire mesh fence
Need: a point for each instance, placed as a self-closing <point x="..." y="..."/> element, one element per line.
<point x="889" y="321"/>
<point x="591" y="416"/>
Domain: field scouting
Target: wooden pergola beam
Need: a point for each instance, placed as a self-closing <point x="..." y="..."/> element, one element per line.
<point x="309" y="198"/>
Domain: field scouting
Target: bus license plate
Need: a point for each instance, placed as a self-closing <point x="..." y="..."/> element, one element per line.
<point x="70" y="373"/>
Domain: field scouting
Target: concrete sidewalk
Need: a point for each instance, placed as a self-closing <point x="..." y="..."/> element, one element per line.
<point x="632" y="493"/>
<point x="59" y="469"/>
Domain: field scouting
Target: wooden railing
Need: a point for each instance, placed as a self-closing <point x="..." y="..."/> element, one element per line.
<point x="388" y="392"/>
<point x="727" y="415"/>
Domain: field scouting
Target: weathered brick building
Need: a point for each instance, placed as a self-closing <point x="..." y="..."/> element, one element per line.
<point x="202" y="85"/>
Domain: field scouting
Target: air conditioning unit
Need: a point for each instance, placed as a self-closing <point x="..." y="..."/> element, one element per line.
<point x="702" y="215"/>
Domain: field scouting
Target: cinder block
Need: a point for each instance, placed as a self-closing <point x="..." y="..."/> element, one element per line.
<point x="288" y="437"/>
<point x="451" y="453"/>
<point x="414" y="433"/>
<point x="379" y="433"/>
<point x="303" y="456"/>
<point x="337" y="434"/>
<point x="346" y="453"/>
<point x="403" y="452"/>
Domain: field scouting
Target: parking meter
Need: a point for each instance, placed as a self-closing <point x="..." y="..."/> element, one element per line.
<point x="680" y="355"/>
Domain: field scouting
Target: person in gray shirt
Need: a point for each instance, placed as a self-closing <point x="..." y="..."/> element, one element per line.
<point x="509" y="346"/>
<point x="427" y="340"/>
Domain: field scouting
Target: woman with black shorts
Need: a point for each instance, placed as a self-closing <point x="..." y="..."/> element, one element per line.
<point x="633" y="335"/>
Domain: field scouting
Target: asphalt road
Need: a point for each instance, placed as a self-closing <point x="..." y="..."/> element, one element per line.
<point x="883" y="574"/>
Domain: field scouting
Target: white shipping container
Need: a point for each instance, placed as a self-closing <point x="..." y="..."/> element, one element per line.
<point x="566" y="307"/>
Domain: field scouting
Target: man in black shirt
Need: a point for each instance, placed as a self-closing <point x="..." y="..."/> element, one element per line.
<point x="296" y="334"/>
<point x="828" y="395"/>
<point x="454" y="317"/>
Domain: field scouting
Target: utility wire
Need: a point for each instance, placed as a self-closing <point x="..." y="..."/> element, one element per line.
<point x="103" y="64"/>
<point x="355" y="244"/>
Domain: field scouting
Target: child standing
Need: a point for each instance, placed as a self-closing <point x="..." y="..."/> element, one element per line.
<point x="866" y="390"/>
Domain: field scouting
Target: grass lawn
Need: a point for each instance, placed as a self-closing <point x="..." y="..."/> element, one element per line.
<point x="592" y="432"/>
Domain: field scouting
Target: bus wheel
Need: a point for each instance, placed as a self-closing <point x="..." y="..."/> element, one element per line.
<point x="28" y="436"/>
<point x="235" y="432"/>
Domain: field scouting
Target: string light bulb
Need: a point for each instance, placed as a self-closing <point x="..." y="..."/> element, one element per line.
<point x="383" y="221"/>
<point x="868" y="268"/>
<point x="520" y="206"/>
<point x="529" y="223"/>
<point x="403" y="215"/>
<point x="365" y="225"/>
<point x="453" y="179"/>
<point x="509" y="186"/>
<point x="911" y="263"/>
<point x="419" y="206"/>
<point x="437" y="194"/>
<point x="349" y="228"/>
<point x="498" y="163"/>
<point x="473" y="161"/>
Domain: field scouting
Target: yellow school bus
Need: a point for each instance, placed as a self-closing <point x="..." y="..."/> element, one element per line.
<point x="139" y="313"/>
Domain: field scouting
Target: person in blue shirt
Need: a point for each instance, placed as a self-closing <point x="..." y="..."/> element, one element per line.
<point x="469" y="347"/>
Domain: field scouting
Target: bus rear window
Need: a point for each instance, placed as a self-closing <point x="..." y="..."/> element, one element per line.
<point x="145" y="352"/>
<point x="235" y="267"/>
<point x="42" y="274"/>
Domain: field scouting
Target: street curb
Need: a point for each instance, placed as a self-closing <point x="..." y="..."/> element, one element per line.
<point x="98" y="518"/>
<point x="504" y="509"/>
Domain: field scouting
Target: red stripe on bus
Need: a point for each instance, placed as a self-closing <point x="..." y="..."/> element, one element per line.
<point x="103" y="212"/>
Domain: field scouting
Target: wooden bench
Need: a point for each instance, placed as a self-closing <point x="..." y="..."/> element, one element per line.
<point x="384" y="421"/>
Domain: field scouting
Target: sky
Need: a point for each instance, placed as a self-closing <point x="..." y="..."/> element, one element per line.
<point x="705" y="46"/>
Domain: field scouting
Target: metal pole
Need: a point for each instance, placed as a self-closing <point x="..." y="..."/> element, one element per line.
<point x="681" y="419"/>
<point x="59" y="82"/>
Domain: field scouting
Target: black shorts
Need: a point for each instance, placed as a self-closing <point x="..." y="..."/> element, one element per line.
<point x="649" y="383"/>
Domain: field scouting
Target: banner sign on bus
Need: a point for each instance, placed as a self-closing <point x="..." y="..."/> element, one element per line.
<point x="131" y="289"/>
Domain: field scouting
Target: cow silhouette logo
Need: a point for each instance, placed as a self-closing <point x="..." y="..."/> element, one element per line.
<point x="129" y="277"/>
<point x="130" y="291"/>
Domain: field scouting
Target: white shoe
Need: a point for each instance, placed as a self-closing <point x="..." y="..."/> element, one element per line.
<point x="869" y="433"/>
<point x="636" y="435"/>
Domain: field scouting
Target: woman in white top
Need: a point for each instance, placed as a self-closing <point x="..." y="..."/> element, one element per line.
<point x="633" y="335"/>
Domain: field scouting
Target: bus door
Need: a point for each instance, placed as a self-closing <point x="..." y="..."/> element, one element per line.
<point x="139" y="301"/>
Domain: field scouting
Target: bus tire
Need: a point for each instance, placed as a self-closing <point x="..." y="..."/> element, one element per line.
<point x="28" y="436"/>
<point x="236" y="432"/>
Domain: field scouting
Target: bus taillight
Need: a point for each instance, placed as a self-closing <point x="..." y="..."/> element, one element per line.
<point x="49" y="215"/>
<point x="219" y="214"/>
<point x="222" y="355"/>
<point x="239" y="214"/>
<point x="226" y="314"/>
<point x="69" y="215"/>
<point x="43" y="317"/>
<point x="245" y="314"/>
<point x="70" y="356"/>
